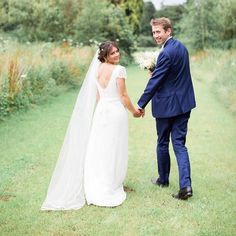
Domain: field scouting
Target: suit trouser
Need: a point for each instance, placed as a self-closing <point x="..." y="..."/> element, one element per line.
<point x="176" y="127"/>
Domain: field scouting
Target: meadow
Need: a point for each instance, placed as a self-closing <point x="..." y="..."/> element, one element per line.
<point x="32" y="73"/>
<point x="30" y="142"/>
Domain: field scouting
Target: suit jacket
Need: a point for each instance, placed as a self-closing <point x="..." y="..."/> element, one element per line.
<point x="170" y="86"/>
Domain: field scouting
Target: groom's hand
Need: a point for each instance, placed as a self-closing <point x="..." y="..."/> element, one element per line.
<point x="142" y="111"/>
<point x="137" y="113"/>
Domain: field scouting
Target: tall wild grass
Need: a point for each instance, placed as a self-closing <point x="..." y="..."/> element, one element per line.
<point x="219" y="69"/>
<point x="31" y="73"/>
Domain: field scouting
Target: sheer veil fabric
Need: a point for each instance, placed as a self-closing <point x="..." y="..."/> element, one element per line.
<point x="66" y="190"/>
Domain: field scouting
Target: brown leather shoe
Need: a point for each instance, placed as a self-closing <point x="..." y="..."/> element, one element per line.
<point x="184" y="193"/>
<point x="156" y="181"/>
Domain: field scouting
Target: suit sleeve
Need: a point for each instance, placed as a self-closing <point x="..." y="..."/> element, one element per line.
<point x="159" y="74"/>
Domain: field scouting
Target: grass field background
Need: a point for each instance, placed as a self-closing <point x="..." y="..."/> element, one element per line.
<point x="30" y="143"/>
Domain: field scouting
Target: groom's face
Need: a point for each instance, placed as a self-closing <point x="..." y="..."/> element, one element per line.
<point x="159" y="34"/>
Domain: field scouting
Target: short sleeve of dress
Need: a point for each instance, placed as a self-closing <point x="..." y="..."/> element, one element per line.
<point x="122" y="72"/>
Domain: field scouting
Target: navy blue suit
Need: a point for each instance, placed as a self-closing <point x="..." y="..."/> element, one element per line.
<point x="171" y="90"/>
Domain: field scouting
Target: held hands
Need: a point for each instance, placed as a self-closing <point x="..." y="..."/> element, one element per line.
<point x="139" y="112"/>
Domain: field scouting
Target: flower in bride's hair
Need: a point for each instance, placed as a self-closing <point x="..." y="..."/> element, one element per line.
<point x="146" y="60"/>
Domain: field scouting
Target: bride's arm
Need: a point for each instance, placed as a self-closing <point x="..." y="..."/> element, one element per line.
<point x="125" y="99"/>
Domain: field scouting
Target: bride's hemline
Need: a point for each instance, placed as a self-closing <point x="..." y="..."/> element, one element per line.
<point x="77" y="208"/>
<point x="51" y="207"/>
<point x="107" y="206"/>
<point x="57" y="208"/>
<point x="99" y="204"/>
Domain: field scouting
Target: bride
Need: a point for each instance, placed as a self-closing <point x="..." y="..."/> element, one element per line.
<point x="93" y="160"/>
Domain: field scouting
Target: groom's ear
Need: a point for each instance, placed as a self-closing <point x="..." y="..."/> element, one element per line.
<point x="169" y="31"/>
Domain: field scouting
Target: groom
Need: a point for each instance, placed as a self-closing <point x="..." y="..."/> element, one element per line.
<point x="171" y="90"/>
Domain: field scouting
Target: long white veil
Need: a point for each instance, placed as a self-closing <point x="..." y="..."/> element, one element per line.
<point x="66" y="190"/>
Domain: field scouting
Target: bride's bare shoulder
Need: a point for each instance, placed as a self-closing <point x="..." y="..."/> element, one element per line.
<point x="106" y="67"/>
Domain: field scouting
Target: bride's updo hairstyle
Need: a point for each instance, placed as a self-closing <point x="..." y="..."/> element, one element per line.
<point x="105" y="49"/>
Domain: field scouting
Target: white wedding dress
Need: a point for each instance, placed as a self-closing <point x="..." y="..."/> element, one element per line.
<point x="92" y="163"/>
<point x="107" y="153"/>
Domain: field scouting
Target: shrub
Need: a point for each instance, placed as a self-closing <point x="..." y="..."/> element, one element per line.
<point x="225" y="84"/>
<point x="4" y="104"/>
<point x="30" y="74"/>
<point x="221" y="78"/>
<point x="146" y="41"/>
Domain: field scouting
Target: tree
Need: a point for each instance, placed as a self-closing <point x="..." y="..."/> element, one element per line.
<point x="23" y="18"/>
<point x="58" y="19"/>
<point x="100" y="21"/>
<point x="145" y="37"/>
<point x="4" y="8"/>
<point x="209" y="23"/>
<point x="39" y="20"/>
<point x="149" y="12"/>
<point x="81" y="20"/>
<point x="133" y="11"/>
<point x="174" y="13"/>
<point x="228" y="23"/>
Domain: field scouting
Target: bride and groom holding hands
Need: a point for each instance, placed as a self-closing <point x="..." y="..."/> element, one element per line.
<point x="92" y="164"/>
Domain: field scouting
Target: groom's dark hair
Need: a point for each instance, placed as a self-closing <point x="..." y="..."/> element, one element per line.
<point x="164" y="22"/>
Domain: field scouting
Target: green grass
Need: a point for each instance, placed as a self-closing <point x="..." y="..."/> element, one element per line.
<point x="30" y="143"/>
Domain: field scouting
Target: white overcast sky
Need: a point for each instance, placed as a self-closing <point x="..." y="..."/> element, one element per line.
<point x="157" y="3"/>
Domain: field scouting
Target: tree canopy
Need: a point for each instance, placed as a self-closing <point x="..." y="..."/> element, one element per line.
<point x="198" y="23"/>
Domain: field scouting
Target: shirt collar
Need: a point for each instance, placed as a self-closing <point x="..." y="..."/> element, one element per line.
<point x="163" y="45"/>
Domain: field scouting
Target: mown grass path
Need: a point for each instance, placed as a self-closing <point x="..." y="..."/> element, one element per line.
<point x="30" y="143"/>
